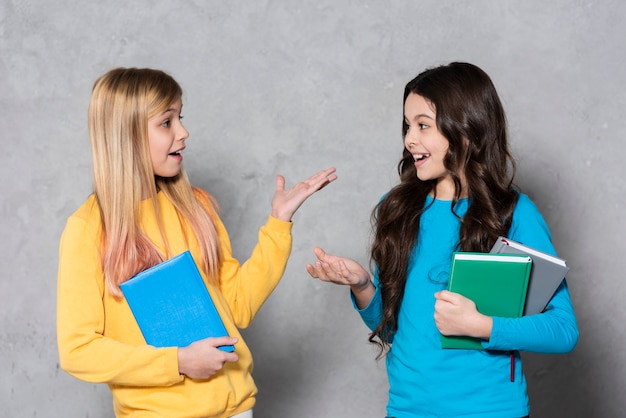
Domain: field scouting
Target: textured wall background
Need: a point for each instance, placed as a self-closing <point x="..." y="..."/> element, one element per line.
<point x="293" y="87"/>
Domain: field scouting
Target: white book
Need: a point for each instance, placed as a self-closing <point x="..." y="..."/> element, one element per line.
<point x="546" y="274"/>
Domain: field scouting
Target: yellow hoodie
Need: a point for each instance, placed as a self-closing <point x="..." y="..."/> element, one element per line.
<point x="99" y="340"/>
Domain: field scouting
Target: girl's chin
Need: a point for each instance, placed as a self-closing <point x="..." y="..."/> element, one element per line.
<point x="423" y="176"/>
<point x="167" y="174"/>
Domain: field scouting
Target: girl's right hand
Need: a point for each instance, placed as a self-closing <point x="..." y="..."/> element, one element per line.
<point x="287" y="201"/>
<point x="345" y="271"/>
<point x="338" y="270"/>
<point x="202" y="359"/>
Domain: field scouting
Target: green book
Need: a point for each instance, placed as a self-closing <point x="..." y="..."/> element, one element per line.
<point x="497" y="283"/>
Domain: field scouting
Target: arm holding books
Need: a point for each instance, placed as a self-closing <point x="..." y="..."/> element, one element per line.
<point x="84" y="351"/>
<point x="457" y="315"/>
<point x="553" y="331"/>
<point x="121" y="357"/>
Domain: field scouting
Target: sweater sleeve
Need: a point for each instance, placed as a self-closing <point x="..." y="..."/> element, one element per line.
<point x="84" y="350"/>
<point x="372" y="314"/>
<point x="247" y="286"/>
<point x="553" y="331"/>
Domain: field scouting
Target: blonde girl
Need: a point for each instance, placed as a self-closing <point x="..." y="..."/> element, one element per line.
<point x="143" y="210"/>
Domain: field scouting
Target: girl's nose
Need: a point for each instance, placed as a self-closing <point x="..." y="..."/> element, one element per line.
<point x="410" y="139"/>
<point x="183" y="134"/>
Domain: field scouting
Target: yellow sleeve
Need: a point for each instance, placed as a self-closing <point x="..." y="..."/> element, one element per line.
<point x="247" y="286"/>
<point x="87" y="316"/>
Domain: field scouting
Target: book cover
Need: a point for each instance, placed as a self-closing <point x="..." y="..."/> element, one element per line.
<point x="546" y="274"/>
<point x="172" y="305"/>
<point x="497" y="283"/>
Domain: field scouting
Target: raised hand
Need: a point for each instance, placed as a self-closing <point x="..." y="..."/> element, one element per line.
<point x="287" y="201"/>
<point x="344" y="271"/>
<point x="338" y="270"/>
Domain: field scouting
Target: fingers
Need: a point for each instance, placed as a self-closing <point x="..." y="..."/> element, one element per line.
<point x="447" y="296"/>
<point x="329" y="178"/>
<point x="328" y="272"/>
<point x="319" y="253"/>
<point x="320" y="180"/>
<point x="318" y="270"/>
<point x="313" y="272"/>
<point x="230" y="357"/>
<point x="453" y="298"/>
<point x="326" y="176"/>
<point x="336" y="269"/>
<point x="322" y="266"/>
<point x="316" y="181"/>
<point x="222" y="341"/>
<point x="280" y="183"/>
<point x="441" y="295"/>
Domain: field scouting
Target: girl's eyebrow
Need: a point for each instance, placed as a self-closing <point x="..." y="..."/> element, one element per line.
<point x="421" y="115"/>
<point x="170" y="110"/>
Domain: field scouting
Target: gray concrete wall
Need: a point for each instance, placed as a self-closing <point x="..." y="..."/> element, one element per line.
<point x="293" y="87"/>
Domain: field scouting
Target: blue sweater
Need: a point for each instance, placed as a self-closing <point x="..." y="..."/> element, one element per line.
<point x="427" y="381"/>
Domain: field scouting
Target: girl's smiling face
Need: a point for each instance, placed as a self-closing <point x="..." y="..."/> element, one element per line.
<point x="427" y="145"/>
<point x="166" y="139"/>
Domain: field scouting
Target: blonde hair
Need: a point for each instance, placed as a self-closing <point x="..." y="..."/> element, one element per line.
<point x="122" y="101"/>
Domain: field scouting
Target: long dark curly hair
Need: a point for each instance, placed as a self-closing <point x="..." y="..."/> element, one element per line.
<point x="469" y="114"/>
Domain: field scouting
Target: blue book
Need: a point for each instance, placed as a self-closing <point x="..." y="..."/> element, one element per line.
<point x="172" y="305"/>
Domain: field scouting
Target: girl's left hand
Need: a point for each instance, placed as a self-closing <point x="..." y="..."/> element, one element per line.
<point x="457" y="315"/>
<point x="287" y="201"/>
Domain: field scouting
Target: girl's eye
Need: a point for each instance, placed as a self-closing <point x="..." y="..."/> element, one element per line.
<point x="423" y="126"/>
<point x="166" y="123"/>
